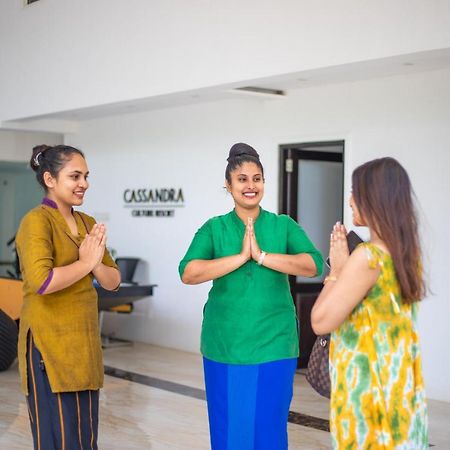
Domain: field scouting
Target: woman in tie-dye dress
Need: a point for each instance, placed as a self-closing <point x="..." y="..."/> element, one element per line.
<point x="369" y="303"/>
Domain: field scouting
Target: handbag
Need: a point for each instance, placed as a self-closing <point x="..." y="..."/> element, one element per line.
<point x="318" y="371"/>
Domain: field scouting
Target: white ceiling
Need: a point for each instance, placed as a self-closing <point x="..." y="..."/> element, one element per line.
<point x="396" y="65"/>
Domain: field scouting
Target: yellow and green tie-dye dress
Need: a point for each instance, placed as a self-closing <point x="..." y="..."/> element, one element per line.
<point x="377" y="389"/>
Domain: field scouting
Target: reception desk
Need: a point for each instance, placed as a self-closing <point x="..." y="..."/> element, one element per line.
<point x="11" y="296"/>
<point x="120" y="301"/>
<point x="127" y="293"/>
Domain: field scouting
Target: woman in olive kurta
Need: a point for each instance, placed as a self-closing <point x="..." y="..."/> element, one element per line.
<point x="61" y="251"/>
<point x="249" y="334"/>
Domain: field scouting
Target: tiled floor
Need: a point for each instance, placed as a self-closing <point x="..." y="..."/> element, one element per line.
<point x="163" y="408"/>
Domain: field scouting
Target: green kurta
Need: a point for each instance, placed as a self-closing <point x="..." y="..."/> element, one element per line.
<point x="249" y="317"/>
<point x="65" y="323"/>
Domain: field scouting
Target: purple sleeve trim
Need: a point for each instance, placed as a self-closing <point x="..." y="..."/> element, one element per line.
<point x="45" y="283"/>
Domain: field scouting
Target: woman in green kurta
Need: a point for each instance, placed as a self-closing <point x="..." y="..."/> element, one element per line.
<point x="61" y="251"/>
<point x="249" y="335"/>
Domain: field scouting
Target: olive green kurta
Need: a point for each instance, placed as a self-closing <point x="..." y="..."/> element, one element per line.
<point x="64" y="324"/>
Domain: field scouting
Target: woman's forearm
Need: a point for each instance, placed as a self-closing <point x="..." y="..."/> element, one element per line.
<point x="345" y="289"/>
<point x="65" y="276"/>
<point x="201" y="270"/>
<point x="321" y="310"/>
<point x="302" y="264"/>
<point x="108" y="277"/>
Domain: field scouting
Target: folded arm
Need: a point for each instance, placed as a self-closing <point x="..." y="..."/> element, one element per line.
<point x="338" y="298"/>
<point x="201" y="270"/>
<point x="108" y="277"/>
<point x="301" y="264"/>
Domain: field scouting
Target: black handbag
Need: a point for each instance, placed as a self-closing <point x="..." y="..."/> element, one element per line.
<point x="318" y="372"/>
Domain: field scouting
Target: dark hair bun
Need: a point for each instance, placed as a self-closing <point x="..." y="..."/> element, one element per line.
<point x="36" y="156"/>
<point x="241" y="149"/>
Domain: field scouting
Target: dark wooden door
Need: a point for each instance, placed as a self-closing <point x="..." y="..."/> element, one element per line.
<point x="311" y="192"/>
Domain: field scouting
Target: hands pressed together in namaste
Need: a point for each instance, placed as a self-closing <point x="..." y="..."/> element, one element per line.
<point x="250" y="247"/>
<point x="92" y="248"/>
<point x="339" y="252"/>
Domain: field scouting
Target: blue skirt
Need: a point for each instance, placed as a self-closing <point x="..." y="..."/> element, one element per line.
<point x="248" y="405"/>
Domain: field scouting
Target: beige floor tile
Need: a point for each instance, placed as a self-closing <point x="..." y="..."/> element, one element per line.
<point x="135" y="416"/>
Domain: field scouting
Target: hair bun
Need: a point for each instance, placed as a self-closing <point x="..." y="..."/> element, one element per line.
<point x="37" y="155"/>
<point x="240" y="149"/>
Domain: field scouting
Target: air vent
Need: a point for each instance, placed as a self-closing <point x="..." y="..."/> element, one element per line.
<point x="259" y="92"/>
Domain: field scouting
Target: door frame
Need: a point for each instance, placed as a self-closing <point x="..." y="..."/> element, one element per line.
<point x="304" y="294"/>
<point x="290" y="154"/>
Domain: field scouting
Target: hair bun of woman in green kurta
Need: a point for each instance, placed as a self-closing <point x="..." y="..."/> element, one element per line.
<point x="241" y="153"/>
<point x="241" y="149"/>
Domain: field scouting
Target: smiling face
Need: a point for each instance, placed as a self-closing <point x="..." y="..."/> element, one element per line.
<point x="67" y="189"/>
<point x="247" y="186"/>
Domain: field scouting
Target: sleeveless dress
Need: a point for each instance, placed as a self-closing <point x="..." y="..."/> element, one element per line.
<point x="377" y="390"/>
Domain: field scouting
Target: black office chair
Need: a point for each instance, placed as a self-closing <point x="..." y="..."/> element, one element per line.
<point x="127" y="267"/>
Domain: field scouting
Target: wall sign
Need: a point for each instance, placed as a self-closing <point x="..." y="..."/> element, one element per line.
<point x="153" y="202"/>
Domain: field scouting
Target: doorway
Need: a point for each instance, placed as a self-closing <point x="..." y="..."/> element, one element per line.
<point x="19" y="192"/>
<point x="311" y="192"/>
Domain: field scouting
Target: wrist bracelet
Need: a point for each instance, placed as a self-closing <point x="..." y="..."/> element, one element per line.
<point x="261" y="258"/>
<point x="329" y="278"/>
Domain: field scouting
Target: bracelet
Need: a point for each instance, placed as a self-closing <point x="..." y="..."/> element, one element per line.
<point x="329" y="278"/>
<point x="261" y="258"/>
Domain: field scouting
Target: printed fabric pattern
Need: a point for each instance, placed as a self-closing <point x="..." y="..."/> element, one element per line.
<point x="377" y="390"/>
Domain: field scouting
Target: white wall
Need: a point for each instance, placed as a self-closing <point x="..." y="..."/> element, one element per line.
<point x="17" y="145"/>
<point x="406" y="117"/>
<point x="59" y="55"/>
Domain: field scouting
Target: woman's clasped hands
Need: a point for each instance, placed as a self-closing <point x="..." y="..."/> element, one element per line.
<point x="339" y="251"/>
<point x="250" y="247"/>
<point x="92" y="248"/>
